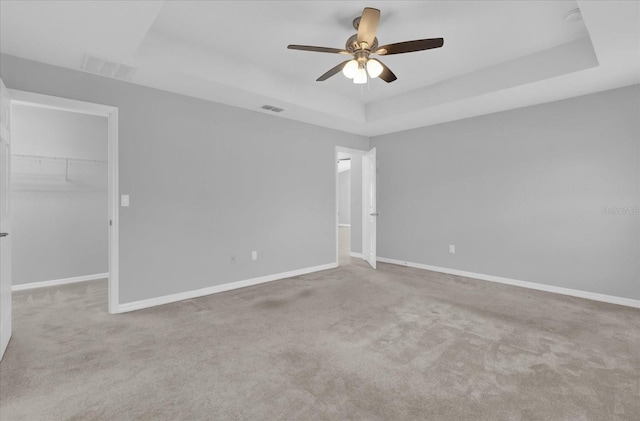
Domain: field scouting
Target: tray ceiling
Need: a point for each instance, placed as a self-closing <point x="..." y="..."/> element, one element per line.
<point x="497" y="54"/>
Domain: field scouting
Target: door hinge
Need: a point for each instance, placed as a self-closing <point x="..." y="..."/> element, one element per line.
<point x="110" y="222"/>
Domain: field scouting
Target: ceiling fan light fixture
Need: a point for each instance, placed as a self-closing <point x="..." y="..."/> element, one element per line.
<point x="374" y="68"/>
<point x="361" y="76"/>
<point x="363" y="43"/>
<point x="350" y="69"/>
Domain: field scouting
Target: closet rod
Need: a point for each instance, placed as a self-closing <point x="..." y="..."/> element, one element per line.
<point x="56" y="158"/>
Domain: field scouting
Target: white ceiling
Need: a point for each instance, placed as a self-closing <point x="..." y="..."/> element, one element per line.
<point x="497" y="55"/>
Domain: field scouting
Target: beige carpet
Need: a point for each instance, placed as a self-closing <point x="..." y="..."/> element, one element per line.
<point x="348" y="343"/>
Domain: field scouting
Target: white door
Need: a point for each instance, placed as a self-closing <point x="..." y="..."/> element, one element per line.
<point x="369" y="205"/>
<point x="5" y="226"/>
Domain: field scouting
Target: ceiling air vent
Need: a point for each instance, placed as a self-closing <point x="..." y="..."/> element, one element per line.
<point x="104" y="67"/>
<point x="272" y="108"/>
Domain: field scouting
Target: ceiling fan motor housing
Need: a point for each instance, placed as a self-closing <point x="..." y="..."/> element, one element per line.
<point x="352" y="44"/>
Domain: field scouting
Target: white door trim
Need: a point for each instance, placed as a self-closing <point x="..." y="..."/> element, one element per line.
<point x="5" y="219"/>
<point x="369" y="207"/>
<point x="66" y="104"/>
<point x="339" y="149"/>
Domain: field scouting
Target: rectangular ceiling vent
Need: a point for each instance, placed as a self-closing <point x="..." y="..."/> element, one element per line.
<point x="104" y="67"/>
<point x="272" y="108"/>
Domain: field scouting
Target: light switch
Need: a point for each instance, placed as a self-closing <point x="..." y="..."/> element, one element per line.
<point x="124" y="200"/>
<point x="452" y="249"/>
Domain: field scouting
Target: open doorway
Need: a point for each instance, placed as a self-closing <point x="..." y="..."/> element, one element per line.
<point x="349" y="204"/>
<point x="58" y="197"/>
<point x="344" y="206"/>
<point x="64" y="194"/>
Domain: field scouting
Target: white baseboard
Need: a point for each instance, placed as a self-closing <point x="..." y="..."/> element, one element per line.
<point x="55" y="282"/>
<point x="358" y="255"/>
<point x="531" y="285"/>
<point x="5" y="336"/>
<point x="344" y="225"/>
<point x="166" y="299"/>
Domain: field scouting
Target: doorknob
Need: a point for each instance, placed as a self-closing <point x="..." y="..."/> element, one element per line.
<point x="374" y="214"/>
<point x="4" y="234"/>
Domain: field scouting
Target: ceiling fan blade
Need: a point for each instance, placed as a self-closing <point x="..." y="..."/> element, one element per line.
<point x="410" y="46"/>
<point x="317" y="49"/>
<point x="333" y="71"/>
<point x="368" y="25"/>
<point x="386" y="75"/>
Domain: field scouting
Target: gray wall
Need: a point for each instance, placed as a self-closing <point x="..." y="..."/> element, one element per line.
<point x="48" y="132"/>
<point x="59" y="215"/>
<point x="344" y="197"/>
<point x="524" y="194"/>
<point x="206" y="184"/>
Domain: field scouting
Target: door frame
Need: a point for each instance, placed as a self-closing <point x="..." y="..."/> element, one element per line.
<point x="111" y="113"/>
<point x="369" y="213"/>
<point x="361" y="154"/>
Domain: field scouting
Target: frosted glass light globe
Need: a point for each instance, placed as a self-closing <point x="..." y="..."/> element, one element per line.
<point x="350" y="69"/>
<point x="361" y="76"/>
<point x="374" y="68"/>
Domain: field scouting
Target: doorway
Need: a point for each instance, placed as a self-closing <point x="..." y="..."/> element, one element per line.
<point x="58" y="197"/>
<point x="64" y="191"/>
<point x="349" y="205"/>
<point x="344" y="206"/>
<point x="9" y="98"/>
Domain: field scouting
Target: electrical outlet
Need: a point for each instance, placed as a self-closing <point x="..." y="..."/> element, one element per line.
<point x="254" y="255"/>
<point x="452" y="249"/>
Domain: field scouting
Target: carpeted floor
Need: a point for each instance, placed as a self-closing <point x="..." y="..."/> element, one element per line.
<point x="348" y="343"/>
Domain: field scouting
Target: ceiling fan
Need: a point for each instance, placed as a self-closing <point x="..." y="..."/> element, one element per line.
<point x="365" y="43"/>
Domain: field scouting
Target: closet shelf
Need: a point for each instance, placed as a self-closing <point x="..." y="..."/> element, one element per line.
<point x="41" y="172"/>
